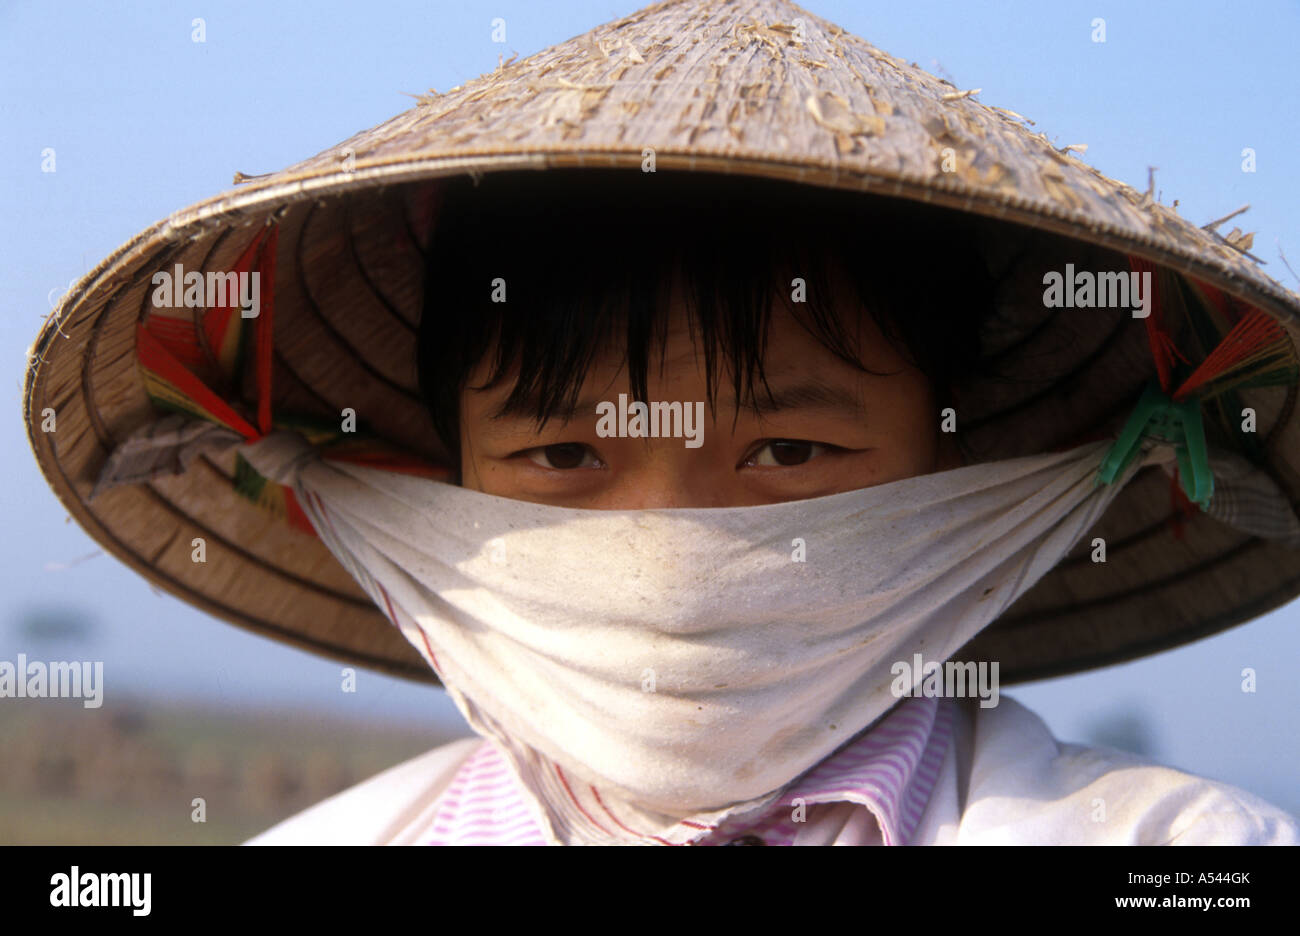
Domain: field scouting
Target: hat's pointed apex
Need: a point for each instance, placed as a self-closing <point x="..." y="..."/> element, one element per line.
<point x="763" y="88"/>
<point x="705" y="76"/>
<point x="716" y="9"/>
<point x="734" y="24"/>
<point x="676" y="26"/>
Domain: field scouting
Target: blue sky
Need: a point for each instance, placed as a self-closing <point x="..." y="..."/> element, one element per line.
<point x="144" y="122"/>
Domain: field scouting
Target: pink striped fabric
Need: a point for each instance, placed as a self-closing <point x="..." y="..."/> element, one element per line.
<point x="890" y="771"/>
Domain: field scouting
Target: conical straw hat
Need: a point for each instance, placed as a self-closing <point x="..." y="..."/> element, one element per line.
<point x="761" y="89"/>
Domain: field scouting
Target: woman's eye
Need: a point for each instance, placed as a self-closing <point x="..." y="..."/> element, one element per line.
<point x="786" y="453"/>
<point x="564" y="456"/>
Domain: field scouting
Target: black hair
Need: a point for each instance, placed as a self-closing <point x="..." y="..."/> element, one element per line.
<point x="586" y="259"/>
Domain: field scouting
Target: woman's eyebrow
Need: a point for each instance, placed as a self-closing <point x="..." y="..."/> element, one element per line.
<point x="526" y="408"/>
<point x="811" y="393"/>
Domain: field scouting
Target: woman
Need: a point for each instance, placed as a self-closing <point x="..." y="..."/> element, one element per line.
<point x="463" y="393"/>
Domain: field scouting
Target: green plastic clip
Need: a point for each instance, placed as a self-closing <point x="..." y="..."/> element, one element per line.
<point x="1179" y="424"/>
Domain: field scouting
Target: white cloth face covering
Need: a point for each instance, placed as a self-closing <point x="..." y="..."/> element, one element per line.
<point x="642" y="667"/>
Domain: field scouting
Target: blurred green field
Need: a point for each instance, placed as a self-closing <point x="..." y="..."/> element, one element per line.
<point x="76" y="776"/>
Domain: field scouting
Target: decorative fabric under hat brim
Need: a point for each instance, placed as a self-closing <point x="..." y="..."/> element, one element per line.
<point x="760" y="89"/>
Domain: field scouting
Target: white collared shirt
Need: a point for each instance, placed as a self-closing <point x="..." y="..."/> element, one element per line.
<point x="1005" y="780"/>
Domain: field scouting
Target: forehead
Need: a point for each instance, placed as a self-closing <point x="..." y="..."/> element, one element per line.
<point x="798" y="369"/>
<point x="789" y="340"/>
<point x="789" y="343"/>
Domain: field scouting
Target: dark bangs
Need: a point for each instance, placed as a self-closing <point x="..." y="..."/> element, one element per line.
<point x="586" y="261"/>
